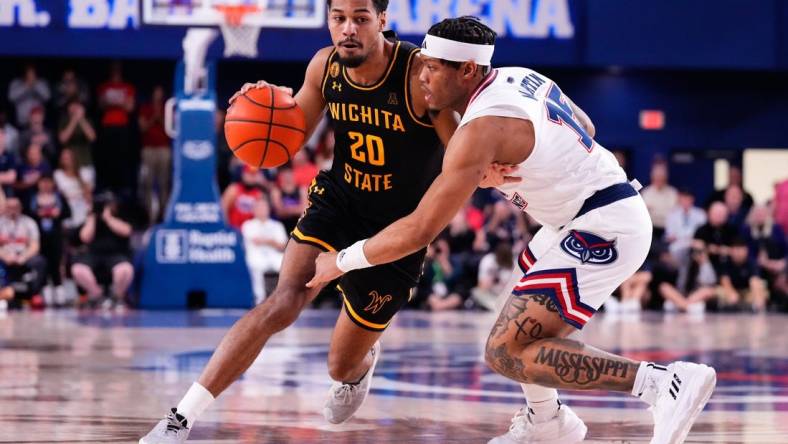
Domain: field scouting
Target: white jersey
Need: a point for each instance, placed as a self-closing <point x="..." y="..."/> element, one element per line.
<point x="566" y="166"/>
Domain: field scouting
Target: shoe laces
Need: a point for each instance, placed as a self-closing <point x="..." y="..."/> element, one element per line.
<point x="521" y="422"/>
<point x="175" y="422"/>
<point x="344" y="393"/>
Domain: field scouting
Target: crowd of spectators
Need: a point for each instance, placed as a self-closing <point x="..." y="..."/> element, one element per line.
<point x="86" y="169"/>
<point x="727" y="254"/>
<point x="78" y="180"/>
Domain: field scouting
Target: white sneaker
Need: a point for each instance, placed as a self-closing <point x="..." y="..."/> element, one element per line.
<point x="631" y="306"/>
<point x="681" y="396"/>
<point x="345" y="399"/>
<point x="696" y="308"/>
<point x="173" y="429"/>
<point x="564" y="428"/>
<point x="612" y="306"/>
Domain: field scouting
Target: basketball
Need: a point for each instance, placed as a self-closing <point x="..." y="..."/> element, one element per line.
<point x="264" y="127"/>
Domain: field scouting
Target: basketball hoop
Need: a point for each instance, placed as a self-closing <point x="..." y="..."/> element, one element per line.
<point x="239" y="38"/>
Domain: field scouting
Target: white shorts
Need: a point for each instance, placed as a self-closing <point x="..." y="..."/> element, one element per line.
<point x="580" y="265"/>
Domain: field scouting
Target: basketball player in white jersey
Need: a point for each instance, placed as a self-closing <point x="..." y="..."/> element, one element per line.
<point x="596" y="233"/>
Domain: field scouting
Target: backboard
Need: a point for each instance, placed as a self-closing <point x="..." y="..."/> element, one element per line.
<point x="272" y="13"/>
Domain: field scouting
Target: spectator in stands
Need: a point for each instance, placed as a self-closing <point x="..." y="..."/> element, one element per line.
<point x="734" y="179"/>
<point x="106" y="234"/>
<point x="768" y="248"/>
<point x="28" y="92"/>
<point x="288" y="199"/>
<point x="239" y="198"/>
<point x="76" y="186"/>
<point x="660" y="197"/>
<point x="505" y="224"/>
<point x="702" y="285"/>
<point x="680" y="227"/>
<point x="70" y="89"/>
<point x="323" y="144"/>
<point x="49" y="209"/>
<point x="781" y="204"/>
<point x="716" y="236"/>
<point x="8" y="165"/>
<point x="76" y="132"/>
<point x="37" y="133"/>
<point x="156" y="155"/>
<point x="437" y="269"/>
<point x="495" y="269"/>
<point x="634" y="291"/>
<point x="19" y="250"/>
<point x="304" y="170"/>
<point x="116" y="156"/>
<point x="741" y="287"/>
<point x="264" y="240"/>
<point x="29" y="172"/>
<point x="11" y="134"/>
<point x="664" y="280"/>
<point x="466" y="248"/>
<point x="733" y="199"/>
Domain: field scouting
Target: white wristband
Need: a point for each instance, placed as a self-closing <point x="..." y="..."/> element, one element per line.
<point x="352" y="257"/>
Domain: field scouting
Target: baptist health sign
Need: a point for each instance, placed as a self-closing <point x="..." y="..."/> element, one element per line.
<point x="194" y="250"/>
<point x="509" y="18"/>
<point x="194" y="246"/>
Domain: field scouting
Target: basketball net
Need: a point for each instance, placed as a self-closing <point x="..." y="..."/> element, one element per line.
<point x="239" y="39"/>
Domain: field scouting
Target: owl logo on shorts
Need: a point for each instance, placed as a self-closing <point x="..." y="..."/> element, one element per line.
<point x="589" y="248"/>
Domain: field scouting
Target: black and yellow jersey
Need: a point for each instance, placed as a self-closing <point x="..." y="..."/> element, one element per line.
<point x="385" y="156"/>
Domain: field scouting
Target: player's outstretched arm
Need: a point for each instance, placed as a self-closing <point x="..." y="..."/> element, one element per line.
<point x="471" y="150"/>
<point x="310" y="97"/>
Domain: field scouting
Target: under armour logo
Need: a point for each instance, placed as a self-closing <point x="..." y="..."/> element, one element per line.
<point x="336" y="86"/>
<point x="317" y="190"/>
<point x="378" y="301"/>
<point x="393" y="99"/>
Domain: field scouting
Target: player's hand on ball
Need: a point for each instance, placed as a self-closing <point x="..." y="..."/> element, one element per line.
<point x="497" y="174"/>
<point x="325" y="269"/>
<point x="259" y="84"/>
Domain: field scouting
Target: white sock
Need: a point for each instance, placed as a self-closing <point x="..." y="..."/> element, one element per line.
<point x="194" y="402"/>
<point x="647" y="381"/>
<point x="542" y="402"/>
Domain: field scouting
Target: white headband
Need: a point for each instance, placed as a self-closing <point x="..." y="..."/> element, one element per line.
<point x="455" y="51"/>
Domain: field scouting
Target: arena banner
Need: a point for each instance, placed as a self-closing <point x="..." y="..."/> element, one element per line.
<point x="194" y="253"/>
<point x="545" y="29"/>
<point x="623" y="33"/>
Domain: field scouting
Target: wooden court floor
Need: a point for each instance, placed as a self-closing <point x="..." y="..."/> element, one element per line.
<point x="68" y="377"/>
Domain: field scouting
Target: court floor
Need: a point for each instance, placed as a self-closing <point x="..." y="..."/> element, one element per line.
<point x="68" y="377"/>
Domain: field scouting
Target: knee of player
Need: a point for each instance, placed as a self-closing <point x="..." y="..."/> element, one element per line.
<point x="279" y="311"/>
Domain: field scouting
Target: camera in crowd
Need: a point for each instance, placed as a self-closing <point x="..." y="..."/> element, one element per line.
<point x="103" y="200"/>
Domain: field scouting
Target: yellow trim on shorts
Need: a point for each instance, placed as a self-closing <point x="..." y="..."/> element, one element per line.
<point x="311" y="239"/>
<point x="358" y="318"/>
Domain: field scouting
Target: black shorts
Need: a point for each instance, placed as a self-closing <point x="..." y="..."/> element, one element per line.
<point x="101" y="264"/>
<point x="372" y="296"/>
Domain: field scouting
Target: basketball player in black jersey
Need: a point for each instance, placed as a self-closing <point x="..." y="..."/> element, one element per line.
<point x="388" y="150"/>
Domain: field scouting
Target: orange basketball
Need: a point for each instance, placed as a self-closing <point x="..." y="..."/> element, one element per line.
<point x="264" y="127"/>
